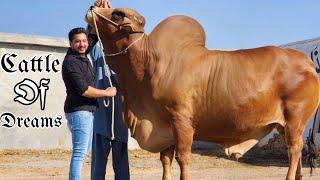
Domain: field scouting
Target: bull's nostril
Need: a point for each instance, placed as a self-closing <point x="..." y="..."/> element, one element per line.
<point x="91" y="7"/>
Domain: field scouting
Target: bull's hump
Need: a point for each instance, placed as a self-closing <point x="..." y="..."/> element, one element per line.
<point x="177" y="31"/>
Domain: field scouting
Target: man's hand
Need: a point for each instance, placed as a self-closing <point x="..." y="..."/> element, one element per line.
<point x="111" y="91"/>
<point x="103" y="4"/>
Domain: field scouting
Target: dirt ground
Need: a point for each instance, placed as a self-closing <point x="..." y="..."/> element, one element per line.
<point x="206" y="164"/>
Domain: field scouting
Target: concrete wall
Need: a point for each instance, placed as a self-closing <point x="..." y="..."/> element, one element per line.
<point x="18" y="123"/>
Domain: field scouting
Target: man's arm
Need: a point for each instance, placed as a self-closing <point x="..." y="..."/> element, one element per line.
<point x="72" y="70"/>
<point x="92" y="92"/>
<point x="92" y="37"/>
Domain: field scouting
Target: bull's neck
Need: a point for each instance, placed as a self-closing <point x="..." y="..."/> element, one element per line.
<point x="142" y="57"/>
<point x="135" y="70"/>
<point x="134" y="67"/>
<point x="140" y="64"/>
<point x="139" y="60"/>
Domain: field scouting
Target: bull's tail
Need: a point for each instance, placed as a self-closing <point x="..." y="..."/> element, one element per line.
<point x="313" y="151"/>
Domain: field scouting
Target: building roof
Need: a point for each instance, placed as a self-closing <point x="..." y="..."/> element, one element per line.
<point x="23" y="39"/>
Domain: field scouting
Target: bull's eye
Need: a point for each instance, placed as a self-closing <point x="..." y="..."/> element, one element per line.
<point x="117" y="15"/>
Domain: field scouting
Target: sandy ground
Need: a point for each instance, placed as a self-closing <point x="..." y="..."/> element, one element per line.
<point x="206" y="164"/>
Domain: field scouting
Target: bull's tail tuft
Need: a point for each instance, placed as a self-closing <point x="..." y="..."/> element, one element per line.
<point x="313" y="150"/>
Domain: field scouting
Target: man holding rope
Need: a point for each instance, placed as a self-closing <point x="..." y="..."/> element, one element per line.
<point x="109" y="131"/>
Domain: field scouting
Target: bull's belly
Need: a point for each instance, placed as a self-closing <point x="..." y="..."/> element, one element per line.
<point x="235" y="141"/>
<point x="229" y="132"/>
<point x="233" y="136"/>
<point x="153" y="137"/>
<point x="235" y="125"/>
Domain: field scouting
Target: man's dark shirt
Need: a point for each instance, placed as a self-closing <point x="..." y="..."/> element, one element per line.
<point x="77" y="75"/>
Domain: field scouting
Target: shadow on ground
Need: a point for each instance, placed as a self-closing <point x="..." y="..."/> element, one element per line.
<point x="256" y="156"/>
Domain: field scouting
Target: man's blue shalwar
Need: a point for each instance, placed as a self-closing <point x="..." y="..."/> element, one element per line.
<point x="102" y="126"/>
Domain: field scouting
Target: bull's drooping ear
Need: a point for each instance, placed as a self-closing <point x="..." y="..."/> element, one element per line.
<point x="139" y="22"/>
<point x="131" y="20"/>
<point x="135" y="23"/>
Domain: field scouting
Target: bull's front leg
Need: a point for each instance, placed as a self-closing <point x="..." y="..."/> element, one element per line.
<point x="183" y="132"/>
<point x="166" y="157"/>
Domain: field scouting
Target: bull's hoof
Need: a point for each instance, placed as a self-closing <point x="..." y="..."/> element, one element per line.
<point x="166" y="178"/>
<point x="236" y="156"/>
<point x="298" y="177"/>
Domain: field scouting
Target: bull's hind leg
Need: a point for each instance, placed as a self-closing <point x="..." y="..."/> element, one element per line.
<point x="299" y="105"/>
<point x="294" y="140"/>
<point x="166" y="157"/>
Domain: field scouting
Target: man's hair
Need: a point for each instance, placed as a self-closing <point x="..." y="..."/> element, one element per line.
<point x="75" y="31"/>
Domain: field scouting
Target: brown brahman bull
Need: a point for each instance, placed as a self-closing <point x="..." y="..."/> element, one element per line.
<point x="176" y="90"/>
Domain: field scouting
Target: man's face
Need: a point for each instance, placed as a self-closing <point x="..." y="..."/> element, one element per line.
<point x="79" y="43"/>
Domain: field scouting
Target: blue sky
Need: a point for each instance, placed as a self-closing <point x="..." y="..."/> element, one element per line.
<point x="229" y="24"/>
